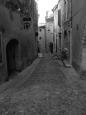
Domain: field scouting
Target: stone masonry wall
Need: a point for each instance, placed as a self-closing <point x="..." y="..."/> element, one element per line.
<point x="11" y="27"/>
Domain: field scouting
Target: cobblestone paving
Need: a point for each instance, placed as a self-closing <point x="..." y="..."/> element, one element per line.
<point x="45" y="93"/>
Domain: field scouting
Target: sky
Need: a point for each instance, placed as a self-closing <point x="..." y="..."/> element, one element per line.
<point x="43" y="6"/>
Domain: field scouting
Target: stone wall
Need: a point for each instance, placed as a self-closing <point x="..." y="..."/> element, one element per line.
<point x="42" y="39"/>
<point x="59" y="25"/>
<point x="78" y="21"/>
<point x="11" y="27"/>
<point x="49" y="34"/>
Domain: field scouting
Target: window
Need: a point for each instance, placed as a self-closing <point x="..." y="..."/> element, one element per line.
<point x="40" y="30"/>
<point x="40" y="38"/>
<point x="48" y="30"/>
<point x="27" y="19"/>
<point x="12" y="5"/>
<point x="26" y="26"/>
<point x="59" y="18"/>
<point x="36" y="33"/>
<point x="65" y="33"/>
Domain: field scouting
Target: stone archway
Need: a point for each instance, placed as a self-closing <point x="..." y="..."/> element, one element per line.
<point x="12" y="55"/>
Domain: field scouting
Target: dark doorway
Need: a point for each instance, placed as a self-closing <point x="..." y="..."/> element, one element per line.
<point x="12" y="54"/>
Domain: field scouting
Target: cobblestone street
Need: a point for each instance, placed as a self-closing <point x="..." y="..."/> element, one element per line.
<point x="45" y="92"/>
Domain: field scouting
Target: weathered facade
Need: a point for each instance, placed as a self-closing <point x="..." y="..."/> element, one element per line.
<point x="49" y="30"/>
<point x="78" y="34"/>
<point x="18" y="30"/>
<point x="70" y="30"/>
<point x="42" y="38"/>
<point x="62" y="27"/>
<point x="58" y="11"/>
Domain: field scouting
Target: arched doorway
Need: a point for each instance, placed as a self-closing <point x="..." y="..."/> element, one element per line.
<point x="12" y="55"/>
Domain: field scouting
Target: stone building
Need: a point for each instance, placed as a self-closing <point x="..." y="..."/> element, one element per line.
<point x="18" y="35"/>
<point x="70" y="30"/>
<point x="42" y="38"/>
<point x="49" y="19"/>
<point x="58" y="11"/>
<point x="79" y="34"/>
<point x="62" y="27"/>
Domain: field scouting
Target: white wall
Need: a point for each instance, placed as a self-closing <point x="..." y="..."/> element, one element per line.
<point x="49" y="33"/>
<point x="41" y="39"/>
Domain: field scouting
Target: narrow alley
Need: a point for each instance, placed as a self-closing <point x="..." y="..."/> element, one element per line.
<point x="45" y="92"/>
<point x="42" y="57"/>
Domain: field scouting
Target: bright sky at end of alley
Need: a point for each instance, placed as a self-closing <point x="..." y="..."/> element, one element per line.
<point x="43" y="6"/>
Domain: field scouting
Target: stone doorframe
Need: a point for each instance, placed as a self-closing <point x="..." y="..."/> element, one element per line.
<point x="12" y="55"/>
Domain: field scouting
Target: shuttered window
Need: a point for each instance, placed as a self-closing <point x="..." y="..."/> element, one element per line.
<point x="59" y="18"/>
